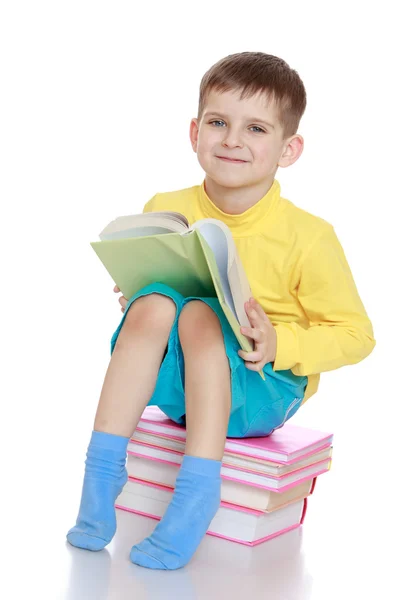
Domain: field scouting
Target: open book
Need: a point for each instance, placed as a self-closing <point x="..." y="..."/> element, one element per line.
<point x="200" y="260"/>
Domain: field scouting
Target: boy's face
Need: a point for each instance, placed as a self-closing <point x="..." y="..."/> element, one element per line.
<point x="247" y="130"/>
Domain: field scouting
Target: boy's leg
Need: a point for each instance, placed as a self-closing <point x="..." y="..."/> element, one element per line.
<point x="128" y="386"/>
<point x="207" y="381"/>
<point x="208" y="401"/>
<point x="132" y="373"/>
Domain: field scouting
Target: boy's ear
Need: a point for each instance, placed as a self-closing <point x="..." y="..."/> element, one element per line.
<point x="292" y="150"/>
<point x="194" y="133"/>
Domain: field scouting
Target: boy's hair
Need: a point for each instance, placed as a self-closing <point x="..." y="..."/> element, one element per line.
<point x="253" y="72"/>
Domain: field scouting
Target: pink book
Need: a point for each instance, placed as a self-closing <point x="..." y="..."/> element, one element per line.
<point x="153" y="463"/>
<point x="234" y="523"/>
<point x="285" y="445"/>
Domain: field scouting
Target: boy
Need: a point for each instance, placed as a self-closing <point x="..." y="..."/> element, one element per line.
<point x="180" y="353"/>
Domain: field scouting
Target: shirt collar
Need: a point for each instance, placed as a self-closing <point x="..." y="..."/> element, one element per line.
<point x="250" y="220"/>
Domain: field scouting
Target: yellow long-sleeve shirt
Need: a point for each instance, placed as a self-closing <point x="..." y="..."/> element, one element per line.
<point x="298" y="273"/>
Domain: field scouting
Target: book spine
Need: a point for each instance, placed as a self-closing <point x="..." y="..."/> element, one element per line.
<point x="303" y="514"/>
<point x="313" y="485"/>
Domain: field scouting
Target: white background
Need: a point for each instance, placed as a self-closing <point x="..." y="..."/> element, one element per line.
<point x="95" y="104"/>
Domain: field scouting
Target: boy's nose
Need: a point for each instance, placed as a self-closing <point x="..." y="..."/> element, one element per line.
<point x="232" y="139"/>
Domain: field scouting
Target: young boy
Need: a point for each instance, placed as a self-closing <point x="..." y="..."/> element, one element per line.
<point x="180" y="353"/>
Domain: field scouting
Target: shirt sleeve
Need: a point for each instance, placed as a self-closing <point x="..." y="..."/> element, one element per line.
<point x="340" y="332"/>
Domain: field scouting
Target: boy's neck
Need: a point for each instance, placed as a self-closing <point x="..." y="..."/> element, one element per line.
<point x="234" y="201"/>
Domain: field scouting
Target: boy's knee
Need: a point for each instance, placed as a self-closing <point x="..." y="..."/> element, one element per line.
<point x="153" y="312"/>
<point x="198" y="323"/>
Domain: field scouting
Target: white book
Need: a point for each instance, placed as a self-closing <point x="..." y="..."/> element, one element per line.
<point x="241" y="525"/>
<point x="233" y="492"/>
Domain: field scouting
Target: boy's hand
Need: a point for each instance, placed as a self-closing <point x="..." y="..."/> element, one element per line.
<point x="122" y="300"/>
<point x="264" y="335"/>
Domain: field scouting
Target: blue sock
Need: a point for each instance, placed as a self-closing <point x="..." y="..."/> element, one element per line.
<point x="195" y="501"/>
<point x="105" y="476"/>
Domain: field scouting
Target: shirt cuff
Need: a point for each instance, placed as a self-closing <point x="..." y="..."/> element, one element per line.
<point x="287" y="347"/>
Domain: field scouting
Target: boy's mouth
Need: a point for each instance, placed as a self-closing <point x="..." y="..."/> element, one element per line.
<point x="232" y="160"/>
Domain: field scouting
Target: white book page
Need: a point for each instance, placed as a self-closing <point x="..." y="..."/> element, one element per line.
<point x="216" y="239"/>
<point x="280" y="519"/>
<point x="156" y="222"/>
<point x="135" y="232"/>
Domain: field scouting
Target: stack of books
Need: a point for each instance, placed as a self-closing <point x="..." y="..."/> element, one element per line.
<point x="265" y="481"/>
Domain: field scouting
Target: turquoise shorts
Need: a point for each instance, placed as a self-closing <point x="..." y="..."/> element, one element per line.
<point x="257" y="408"/>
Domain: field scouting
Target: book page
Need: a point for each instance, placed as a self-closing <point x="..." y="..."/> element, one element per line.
<point x="216" y="239"/>
<point x="135" y="232"/>
<point x="156" y="222"/>
<point x="234" y="281"/>
<point x="245" y="343"/>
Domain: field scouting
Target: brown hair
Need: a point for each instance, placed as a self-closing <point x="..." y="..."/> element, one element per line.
<point x="253" y="72"/>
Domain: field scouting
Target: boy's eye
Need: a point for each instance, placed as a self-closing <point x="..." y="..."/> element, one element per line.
<point x="259" y="130"/>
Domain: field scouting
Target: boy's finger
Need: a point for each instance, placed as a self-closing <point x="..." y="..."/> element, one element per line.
<point x="259" y="310"/>
<point x="250" y="356"/>
<point x="256" y="334"/>
<point x="254" y="317"/>
<point x="255" y="366"/>
<point x="116" y="289"/>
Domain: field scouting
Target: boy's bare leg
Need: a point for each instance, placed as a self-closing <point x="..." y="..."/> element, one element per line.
<point x="132" y="372"/>
<point x="128" y="386"/>
<point x="207" y="381"/>
<point x="208" y="401"/>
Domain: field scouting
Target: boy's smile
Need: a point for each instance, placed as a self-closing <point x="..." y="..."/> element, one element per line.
<point x="239" y="162"/>
<point x="239" y="145"/>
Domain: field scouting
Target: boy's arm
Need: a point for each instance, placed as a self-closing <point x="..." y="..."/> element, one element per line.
<point x="340" y="331"/>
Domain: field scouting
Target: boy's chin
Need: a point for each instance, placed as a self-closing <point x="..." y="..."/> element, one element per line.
<point x="228" y="181"/>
